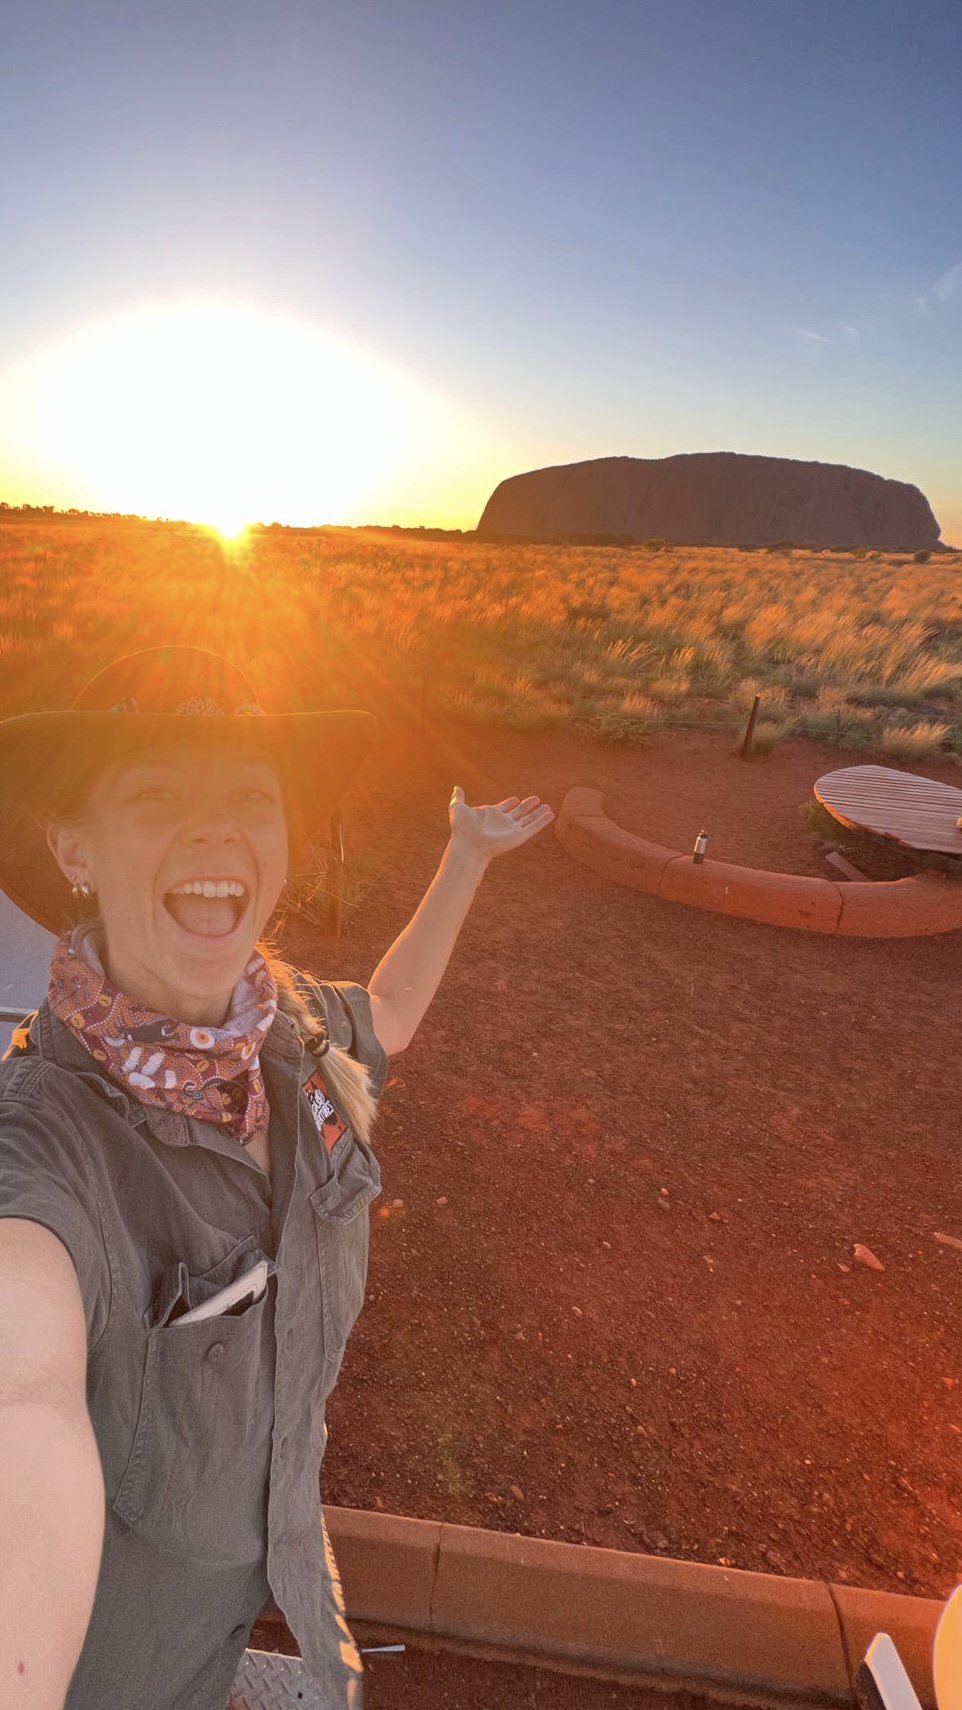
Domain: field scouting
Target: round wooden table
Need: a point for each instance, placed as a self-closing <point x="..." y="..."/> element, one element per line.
<point x="916" y="812"/>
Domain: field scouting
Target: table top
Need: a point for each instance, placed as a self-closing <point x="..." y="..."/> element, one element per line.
<point x="916" y="812"/>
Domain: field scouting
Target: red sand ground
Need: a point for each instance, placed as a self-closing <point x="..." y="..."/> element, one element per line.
<point x="550" y="1349"/>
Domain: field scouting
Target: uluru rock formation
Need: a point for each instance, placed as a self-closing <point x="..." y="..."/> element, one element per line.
<point x="713" y="498"/>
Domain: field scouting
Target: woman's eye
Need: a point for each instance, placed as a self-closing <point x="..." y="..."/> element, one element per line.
<point x="155" y="792"/>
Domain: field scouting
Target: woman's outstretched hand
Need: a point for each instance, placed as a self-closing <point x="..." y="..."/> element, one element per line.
<point x="493" y="830"/>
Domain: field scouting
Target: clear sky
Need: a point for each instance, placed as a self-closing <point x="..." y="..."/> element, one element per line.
<point x="346" y="260"/>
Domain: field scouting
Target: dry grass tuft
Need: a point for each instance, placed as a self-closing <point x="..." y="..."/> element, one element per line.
<point x="768" y="733"/>
<point x="914" y="742"/>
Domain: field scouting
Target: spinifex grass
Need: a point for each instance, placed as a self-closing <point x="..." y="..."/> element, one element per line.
<point x="316" y="880"/>
<point x="613" y="642"/>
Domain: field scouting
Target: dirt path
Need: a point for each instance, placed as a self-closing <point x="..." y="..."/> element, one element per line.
<point x="612" y="1296"/>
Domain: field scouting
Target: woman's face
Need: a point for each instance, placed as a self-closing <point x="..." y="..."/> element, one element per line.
<point x="159" y="828"/>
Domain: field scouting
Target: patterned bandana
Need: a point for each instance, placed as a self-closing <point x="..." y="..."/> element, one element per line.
<point x="212" y="1073"/>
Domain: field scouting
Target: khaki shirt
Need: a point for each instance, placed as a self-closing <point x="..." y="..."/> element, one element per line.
<point x="210" y="1434"/>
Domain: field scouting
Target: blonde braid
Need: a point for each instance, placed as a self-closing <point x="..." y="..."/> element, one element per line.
<point x="347" y="1079"/>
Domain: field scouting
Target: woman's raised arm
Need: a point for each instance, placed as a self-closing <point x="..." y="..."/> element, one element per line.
<point x="407" y="977"/>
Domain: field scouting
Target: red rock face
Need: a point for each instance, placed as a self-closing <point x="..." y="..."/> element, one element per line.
<point x="714" y="498"/>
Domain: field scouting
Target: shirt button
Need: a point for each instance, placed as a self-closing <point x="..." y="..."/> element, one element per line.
<point x="215" y="1353"/>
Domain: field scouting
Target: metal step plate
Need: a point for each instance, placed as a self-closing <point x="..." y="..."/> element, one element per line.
<point x="265" y="1681"/>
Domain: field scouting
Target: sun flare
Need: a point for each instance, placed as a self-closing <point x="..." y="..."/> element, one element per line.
<point x="230" y="530"/>
<point x="222" y="413"/>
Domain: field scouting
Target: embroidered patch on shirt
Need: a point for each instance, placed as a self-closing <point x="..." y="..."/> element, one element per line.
<point x="330" y="1124"/>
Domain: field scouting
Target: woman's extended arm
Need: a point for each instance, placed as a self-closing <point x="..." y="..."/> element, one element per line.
<point x="51" y="1484"/>
<point x="407" y="977"/>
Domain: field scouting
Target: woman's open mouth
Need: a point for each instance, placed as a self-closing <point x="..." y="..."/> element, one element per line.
<point x="207" y="908"/>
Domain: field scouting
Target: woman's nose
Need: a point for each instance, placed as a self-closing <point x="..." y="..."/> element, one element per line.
<point x="212" y="821"/>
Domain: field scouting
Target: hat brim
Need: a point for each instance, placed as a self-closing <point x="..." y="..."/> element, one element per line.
<point x="48" y="761"/>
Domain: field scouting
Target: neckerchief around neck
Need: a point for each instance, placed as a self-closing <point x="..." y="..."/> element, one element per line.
<point x="212" y="1073"/>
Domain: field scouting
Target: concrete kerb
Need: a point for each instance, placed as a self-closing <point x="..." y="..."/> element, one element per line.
<point x="622" y="1615"/>
<point x="900" y="908"/>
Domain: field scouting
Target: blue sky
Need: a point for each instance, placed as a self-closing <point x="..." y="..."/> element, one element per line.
<point x="619" y="226"/>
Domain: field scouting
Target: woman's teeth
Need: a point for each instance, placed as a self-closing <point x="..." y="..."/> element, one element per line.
<point x="211" y="907"/>
<point x="209" y="888"/>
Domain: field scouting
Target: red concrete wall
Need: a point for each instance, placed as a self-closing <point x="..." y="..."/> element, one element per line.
<point x="904" y="908"/>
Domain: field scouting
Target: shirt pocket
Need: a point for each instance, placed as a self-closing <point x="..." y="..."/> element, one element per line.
<point x="196" y="1475"/>
<point x="342" y="1230"/>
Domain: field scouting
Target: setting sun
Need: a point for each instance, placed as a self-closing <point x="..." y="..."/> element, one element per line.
<point x="231" y="531"/>
<point x="226" y="414"/>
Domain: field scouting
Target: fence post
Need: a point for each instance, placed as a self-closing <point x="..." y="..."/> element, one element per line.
<point x="746" y="746"/>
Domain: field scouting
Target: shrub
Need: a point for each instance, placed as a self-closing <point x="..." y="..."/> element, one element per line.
<point x="819" y="821"/>
<point x="493" y="683"/>
<point x="834" y="719"/>
<point x="929" y="678"/>
<point x="913" y="742"/>
<point x="774" y="701"/>
<point x="640" y="706"/>
<point x="841" y="728"/>
<point x="895" y="699"/>
<point x="803" y="688"/>
<point x="483" y="709"/>
<point x="584" y="612"/>
<point x="670" y="688"/>
<point x="768" y="733"/>
<point x="610" y="724"/>
<point x="309" y="893"/>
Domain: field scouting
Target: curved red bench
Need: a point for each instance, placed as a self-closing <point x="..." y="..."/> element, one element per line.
<point x="901" y="908"/>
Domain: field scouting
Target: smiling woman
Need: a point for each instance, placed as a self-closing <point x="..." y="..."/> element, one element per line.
<point x="223" y="413"/>
<point x="180" y="942"/>
<point x="185" y="1172"/>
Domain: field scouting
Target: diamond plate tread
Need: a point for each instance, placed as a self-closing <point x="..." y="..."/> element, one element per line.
<point x="265" y="1681"/>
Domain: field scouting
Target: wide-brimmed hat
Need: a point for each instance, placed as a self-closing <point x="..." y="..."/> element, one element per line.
<point x="48" y="760"/>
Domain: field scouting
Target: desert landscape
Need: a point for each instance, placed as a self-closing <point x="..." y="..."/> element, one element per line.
<point x="861" y="649"/>
<point x="576" y="390"/>
<point x="613" y="1296"/>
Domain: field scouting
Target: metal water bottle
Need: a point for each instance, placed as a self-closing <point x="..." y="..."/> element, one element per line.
<point x="701" y="844"/>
